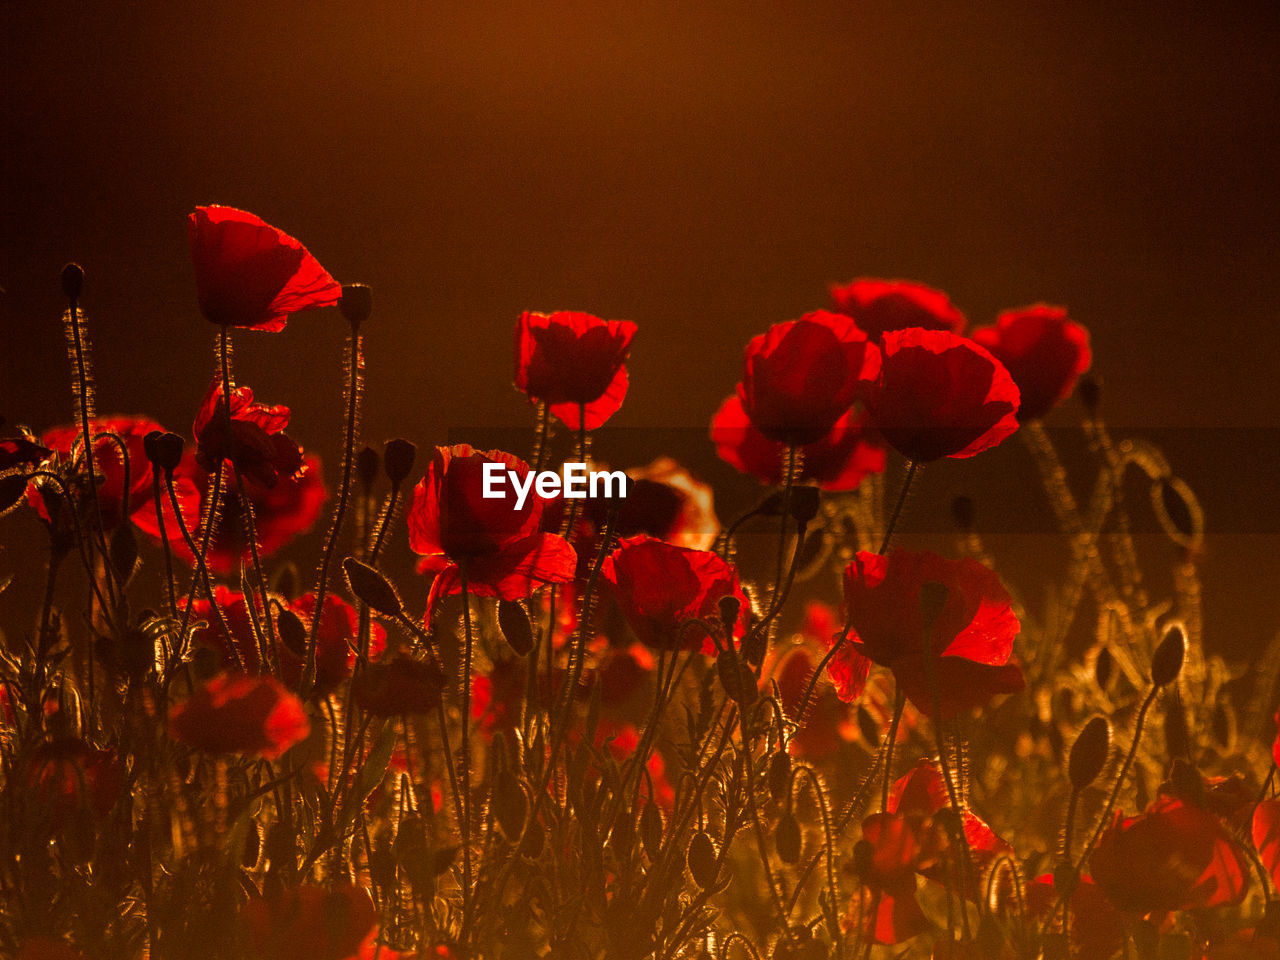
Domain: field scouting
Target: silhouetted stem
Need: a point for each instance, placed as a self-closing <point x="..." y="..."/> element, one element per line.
<point x="464" y="771"/>
<point x="899" y="701"/>
<point x="354" y="342"/>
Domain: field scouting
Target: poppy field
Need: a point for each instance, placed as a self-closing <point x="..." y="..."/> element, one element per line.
<point x="600" y="727"/>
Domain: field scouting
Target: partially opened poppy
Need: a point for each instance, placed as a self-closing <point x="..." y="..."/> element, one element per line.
<point x="249" y="274"/>
<point x="836" y="462"/>
<point x="879" y="306"/>
<point x="802" y="376"/>
<point x="941" y="395"/>
<point x="233" y="713"/>
<point x="308" y="922"/>
<point x="959" y="662"/>
<point x="1176" y="856"/>
<point x="1044" y="351"/>
<point x="452" y="524"/>
<point x="256" y="443"/>
<point x="575" y="363"/>
<point x="671" y="595"/>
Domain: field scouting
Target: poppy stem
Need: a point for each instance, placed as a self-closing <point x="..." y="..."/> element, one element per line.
<point x="201" y="575"/>
<point x="1120" y="777"/>
<point x="899" y="702"/>
<point x="913" y="467"/>
<point x="246" y="508"/>
<point x="355" y="361"/>
<point x="464" y="759"/>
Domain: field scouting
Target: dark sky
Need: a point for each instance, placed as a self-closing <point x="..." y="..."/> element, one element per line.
<point x="704" y="168"/>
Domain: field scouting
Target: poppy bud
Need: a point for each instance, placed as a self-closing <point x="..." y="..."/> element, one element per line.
<point x="397" y="460"/>
<point x="513" y="621"/>
<point x="367" y="466"/>
<point x="963" y="513"/>
<point x="933" y="597"/>
<point x="788" y="839"/>
<point x="72" y="281"/>
<point x="1102" y="668"/>
<point x="369" y="585"/>
<point x="651" y="830"/>
<point x="804" y="503"/>
<point x="356" y="303"/>
<point x="702" y="860"/>
<point x="164" y="450"/>
<point x="1187" y="782"/>
<point x="1166" y="662"/>
<point x="1090" y="392"/>
<point x="293" y="634"/>
<point x="1089" y="753"/>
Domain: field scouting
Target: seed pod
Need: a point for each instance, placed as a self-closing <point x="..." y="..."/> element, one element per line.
<point x="736" y="678"/>
<point x="1166" y="662"/>
<point x="702" y="860"/>
<point x="397" y="460"/>
<point x="164" y="450"/>
<point x="513" y="621"/>
<point x="356" y="303"/>
<point x="72" y="281"/>
<point x="369" y="585"/>
<point x="788" y="840"/>
<point x="779" y="776"/>
<point x="729" y="607"/>
<point x="1089" y="753"/>
<point x="1090" y="393"/>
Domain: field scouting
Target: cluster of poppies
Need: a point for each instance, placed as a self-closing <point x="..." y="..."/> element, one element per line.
<point x="628" y="589"/>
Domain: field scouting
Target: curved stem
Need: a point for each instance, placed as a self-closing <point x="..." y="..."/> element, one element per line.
<point x="899" y="701"/>
<point x="913" y="467"/>
<point x="464" y="771"/>
<point x="344" y="494"/>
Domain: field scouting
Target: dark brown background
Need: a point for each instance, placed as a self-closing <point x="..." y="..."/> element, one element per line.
<point x="702" y="168"/>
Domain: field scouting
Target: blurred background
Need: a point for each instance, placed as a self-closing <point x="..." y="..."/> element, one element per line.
<point x="702" y="168"/>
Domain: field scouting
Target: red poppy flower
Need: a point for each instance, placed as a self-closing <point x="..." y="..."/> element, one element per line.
<point x="109" y="464"/>
<point x="399" y="687"/>
<point x="622" y="741"/>
<point x="335" y="654"/>
<point x="233" y="713"/>
<point x="1097" y="930"/>
<point x="257" y="444"/>
<point x="1266" y="836"/>
<point x="801" y="376"/>
<point x="666" y="501"/>
<point x="898" y="846"/>
<point x="308" y="922"/>
<point x="452" y="523"/>
<point x="1043" y="351"/>
<point x="923" y="791"/>
<point x="826" y="725"/>
<point x="569" y="359"/>
<point x="1176" y="856"/>
<point x="68" y="778"/>
<point x="837" y="462"/>
<point x="671" y="595"/>
<point x="249" y="274"/>
<point x="280" y="513"/>
<point x="879" y="306"/>
<point x="964" y="660"/>
<point x="940" y="395"/>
